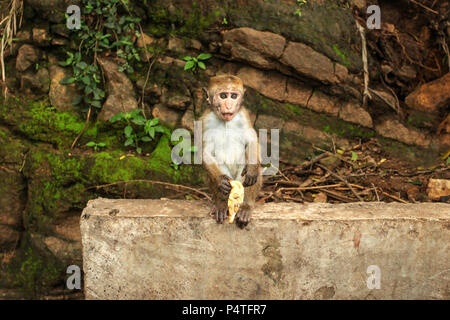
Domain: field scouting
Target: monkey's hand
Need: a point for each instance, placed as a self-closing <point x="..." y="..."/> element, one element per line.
<point x="224" y="185"/>
<point x="251" y="175"/>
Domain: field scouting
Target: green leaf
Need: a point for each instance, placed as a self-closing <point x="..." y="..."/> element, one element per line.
<point x="101" y="144"/>
<point x="90" y="144"/>
<point x="67" y="80"/>
<point x="201" y="65"/>
<point x="154" y="122"/>
<point x="135" y="112"/>
<point x="139" y="149"/>
<point x="139" y="122"/>
<point x="151" y="132"/>
<point x="128" y="130"/>
<point x="416" y="182"/>
<point x="82" y="65"/>
<point x="354" y="156"/>
<point x="160" y="129"/>
<point x="146" y="139"/>
<point x="86" y="80"/>
<point x="128" y="142"/>
<point x="189" y="65"/>
<point x="77" y="100"/>
<point x="448" y="160"/>
<point x="96" y="104"/>
<point x="187" y="58"/>
<point x="204" y="56"/>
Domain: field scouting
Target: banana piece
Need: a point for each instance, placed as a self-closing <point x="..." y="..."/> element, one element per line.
<point x="235" y="199"/>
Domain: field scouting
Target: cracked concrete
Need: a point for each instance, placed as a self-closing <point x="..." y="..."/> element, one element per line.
<point x="172" y="249"/>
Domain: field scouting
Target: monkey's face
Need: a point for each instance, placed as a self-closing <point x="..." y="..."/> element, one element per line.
<point x="227" y="103"/>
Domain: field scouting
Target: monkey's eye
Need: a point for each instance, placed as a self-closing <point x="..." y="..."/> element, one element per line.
<point x="223" y="95"/>
<point x="234" y="96"/>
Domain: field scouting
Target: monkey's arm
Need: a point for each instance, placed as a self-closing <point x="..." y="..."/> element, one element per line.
<point x="220" y="178"/>
<point x="251" y="169"/>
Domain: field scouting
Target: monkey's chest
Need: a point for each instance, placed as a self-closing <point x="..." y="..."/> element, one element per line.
<point x="229" y="151"/>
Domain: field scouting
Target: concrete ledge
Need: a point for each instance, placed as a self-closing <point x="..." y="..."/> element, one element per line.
<point x="172" y="249"/>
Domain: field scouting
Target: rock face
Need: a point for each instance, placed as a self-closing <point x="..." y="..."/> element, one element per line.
<point x="52" y="10"/>
<point x="393" y="129"/>
<point x="35" y="82"/>
<point x="444" y="132"/>
<point x="143" y="42"/>
<point x="61" y="95"/>
<point x="121" y="96"/>
<point x="309" y="63"/>
<point x="26" y="57"/>
<point x="268" y="83"/>
<point x="438" y="188"/>
<point x="172" y="249"/>
<point x="267" y="43"/>
<point x="351" y="111"/>
<point x="431" y="96"/>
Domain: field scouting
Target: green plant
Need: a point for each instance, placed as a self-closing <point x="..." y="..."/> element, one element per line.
<point x="107" y="26"/>
<point x="341" y="55"/>
<point x="138" y="129"/>
<point x="95" y="145"/>
<point x="298" y="11"/>
<point x="192" y="63"/>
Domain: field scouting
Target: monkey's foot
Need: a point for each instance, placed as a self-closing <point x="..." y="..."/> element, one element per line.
<point x="243" y="217"/>
<point x="221" y="213"/>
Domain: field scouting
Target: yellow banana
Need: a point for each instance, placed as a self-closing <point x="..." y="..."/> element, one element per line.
<point x="235" y="199"/>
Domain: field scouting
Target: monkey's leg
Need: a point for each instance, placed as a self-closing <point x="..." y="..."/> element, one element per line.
<point x="220" y="210"/>
<point x="220" y="203"/>
<point x="245" y="210"/>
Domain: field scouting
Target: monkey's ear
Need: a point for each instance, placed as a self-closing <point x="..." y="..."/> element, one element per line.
<point x="208" y="100"/>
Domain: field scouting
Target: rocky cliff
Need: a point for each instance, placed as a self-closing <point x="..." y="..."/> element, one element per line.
<point x="301" y="63"/>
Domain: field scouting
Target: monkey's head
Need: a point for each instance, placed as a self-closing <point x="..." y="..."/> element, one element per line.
<point x="224" y="95"/>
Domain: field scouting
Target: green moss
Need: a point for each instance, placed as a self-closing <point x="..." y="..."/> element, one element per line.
<point x="191" y="22"/>
<point x="413" y="155"/>
<point x="12" y="149"/>
<point x="39" y="121"/>
<point x="422" y="120"/>
<point x="33" y="271"/>
<point x="294" y="109"/>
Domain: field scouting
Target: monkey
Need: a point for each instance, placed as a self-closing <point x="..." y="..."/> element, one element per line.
<point x="230" y="147"/>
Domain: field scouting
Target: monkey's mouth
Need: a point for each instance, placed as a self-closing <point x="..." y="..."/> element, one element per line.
<point x="227" y="116"/>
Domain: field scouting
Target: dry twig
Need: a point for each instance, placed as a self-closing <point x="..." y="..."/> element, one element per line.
<point x="170" y="185"/>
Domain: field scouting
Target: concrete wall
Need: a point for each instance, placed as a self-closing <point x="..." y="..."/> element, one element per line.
<point x="157" y="249"/>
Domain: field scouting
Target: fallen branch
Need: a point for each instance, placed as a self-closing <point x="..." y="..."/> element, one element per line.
<point x="384" y="193"/>
<point x="84" y="128"/>
<point x="424" y="6"/>
<point x="309" y="188"/>
<point x="342" y="179"/>
<point x="170" y="185"/>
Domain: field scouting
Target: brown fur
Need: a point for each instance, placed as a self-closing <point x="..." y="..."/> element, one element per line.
<point x="215" y="175"/>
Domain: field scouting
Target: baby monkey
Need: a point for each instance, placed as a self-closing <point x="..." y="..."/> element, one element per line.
<point x="230" y="147"/>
